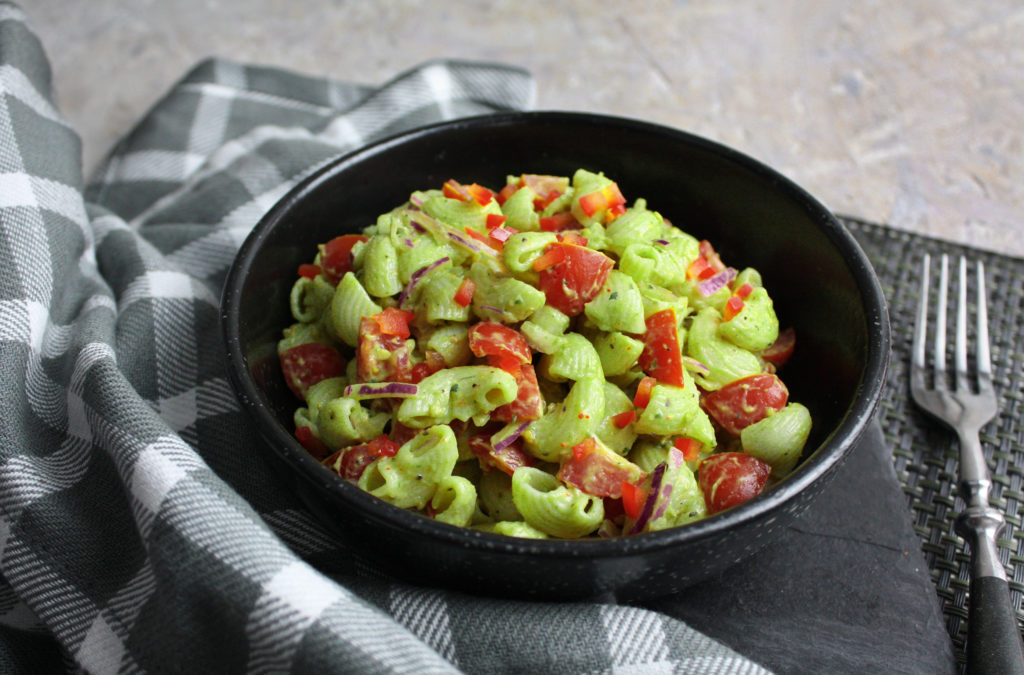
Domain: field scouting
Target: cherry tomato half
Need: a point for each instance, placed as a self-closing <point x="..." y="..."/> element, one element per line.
<point x="492" y="339"/>
<point x="742" y="402"/>
<point x="780" y="351"/>
<point x="576" y="280"/>
<point x="355" y="459"/>
<point x="731" y="478"/>
<point x="306" y="364"/>
<point x="528" y="404"/>
<point x="336" y="258"/>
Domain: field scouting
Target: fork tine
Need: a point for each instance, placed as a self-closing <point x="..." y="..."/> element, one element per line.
<point x="984" y="358"/>
<point x="960" y="353"/>
<point x="917" y="361"/>
<point x="939" y="364"/>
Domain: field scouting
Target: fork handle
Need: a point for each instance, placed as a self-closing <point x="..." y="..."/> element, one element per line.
<point x="993" y="636"/>
<point x="993" y="639"/>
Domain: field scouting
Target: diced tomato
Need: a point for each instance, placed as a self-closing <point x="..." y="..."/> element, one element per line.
<point x="549" y="258"/>
<point x="643" y="392"/>
<point x="541" y="203"/>
<point x="615" y="211"/>
<point x="597" y="470"/>
<point x="700" y="269"/>
<point x="623" y="419"/>
<point x="572" y="283"/>
<point x="482" y="195"/>
<point x="420" y="371"/>
<point x="707" y="251"/>
<point x="633" y="498"/>
<point x="495" y="220"/>
<point x="492" y="339"/>
<point x="464" y="295"/>
<point x="662" y="358"/>
<point x="309" y="271"/>
<point x="690" y="447"/>
<point x="355" y="459"/>
<point x="380" y="356"/>
<point x="306" y="364"/>
<point x="394" y="321"/>
<point x="507" y="191"/>
<point x="570" y="237"/>
<point x="606" y="197"/>
<point x="730" y="478"/>
<point x="453" y="189"/>
<point x="781" y="349"/>
<point x="745" y="401"/>
<point x="484" y="239"/>
<point x="559" y="221"/>
<point x="543" y="185"/>
<point x="613" y="509"/>
<point x="508" y="459"/>
<point x="582" y="449"/>
<point x="528" y="403"/>
<point x="733" y="306"/>
<point x="744" y="291"/>
<point x="336" y="257"/>
<point x="311" y="443"/>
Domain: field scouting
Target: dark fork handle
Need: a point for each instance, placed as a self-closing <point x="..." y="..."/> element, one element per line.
<point x="993" y="636"/>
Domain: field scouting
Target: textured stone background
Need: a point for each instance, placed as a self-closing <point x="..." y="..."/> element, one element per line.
<point x="909" y="113"/>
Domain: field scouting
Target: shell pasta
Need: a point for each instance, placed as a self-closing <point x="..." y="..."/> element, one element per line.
<point x="540" y="360"/>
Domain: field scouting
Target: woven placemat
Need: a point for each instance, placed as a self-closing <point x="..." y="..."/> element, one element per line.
<point x="924" y="454"/>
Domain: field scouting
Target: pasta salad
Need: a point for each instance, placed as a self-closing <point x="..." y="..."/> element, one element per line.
<point x="542" y="360"/>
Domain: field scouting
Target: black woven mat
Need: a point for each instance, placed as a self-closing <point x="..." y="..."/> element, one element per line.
<point x="924" y="454"/>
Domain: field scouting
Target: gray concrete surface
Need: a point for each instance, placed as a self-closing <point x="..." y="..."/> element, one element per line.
<point x="909" y="112"/>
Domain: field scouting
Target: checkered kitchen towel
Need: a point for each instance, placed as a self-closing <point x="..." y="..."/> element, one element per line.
<point x="138" y="531"/>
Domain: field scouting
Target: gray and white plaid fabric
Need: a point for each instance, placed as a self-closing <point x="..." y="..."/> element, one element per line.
<point x="138" y="530"/>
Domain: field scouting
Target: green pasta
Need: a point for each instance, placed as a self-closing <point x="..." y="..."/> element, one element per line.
<point x="457" y="394"/>
<point x="513" y="360"/>
<point x="380" y="268"/>
<point x="454" y="501"/>
<point x="618" y="352"/>
<point x="350" y="303"/>
<point x="520" y="212"/>
<point x="619" y="306"/>
<point x="726" y="361"/>
<point x="412" y="476"/>
<point x="779" y="439"/>
<point x="755" y="327"/>
<point x="554" y="508"/>
<point x="573" y="358"/>
<point x="553" y="436"/>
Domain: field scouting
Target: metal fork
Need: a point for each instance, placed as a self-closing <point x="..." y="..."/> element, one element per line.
<point x="993" y="637"/>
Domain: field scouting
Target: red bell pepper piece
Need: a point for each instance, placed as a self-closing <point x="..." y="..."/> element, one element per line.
<point x="643" y="392"/>
<point x="464" y="294"/>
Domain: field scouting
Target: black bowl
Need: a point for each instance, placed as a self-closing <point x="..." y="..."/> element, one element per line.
<point x="820" y="280"/>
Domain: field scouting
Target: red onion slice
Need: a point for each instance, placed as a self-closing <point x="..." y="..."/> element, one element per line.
<point x="417" y="276"/>
<point x="511" y="438"/>
<point x="695" y="366"/>
<point x="657" y="476"/>
<point x="666" y="492"/>
<point x="717" y="282"/>
<point x="502" y="234"/>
